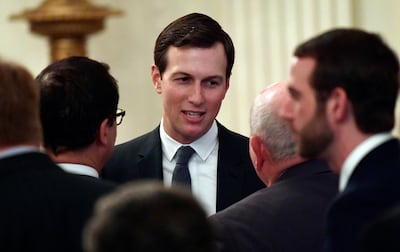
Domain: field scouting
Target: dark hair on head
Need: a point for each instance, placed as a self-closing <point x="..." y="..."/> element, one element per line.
<point x="148" y="217"/>
<point x="192" y="30"/>
<point x="364" y="66"/>
<point x="76" y="95"/>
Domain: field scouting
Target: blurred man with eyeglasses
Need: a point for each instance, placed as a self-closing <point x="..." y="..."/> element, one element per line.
<point x="79" y="112"/>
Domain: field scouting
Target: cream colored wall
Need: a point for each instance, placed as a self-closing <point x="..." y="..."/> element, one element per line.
<point x="264" y="33"/>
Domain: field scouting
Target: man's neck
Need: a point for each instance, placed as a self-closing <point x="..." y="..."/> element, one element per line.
<point x="76" y="157"/>
<point x="338" y="152"/>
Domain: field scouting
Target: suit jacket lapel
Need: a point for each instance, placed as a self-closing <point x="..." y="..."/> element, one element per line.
<point x="150" y="157"/>
<point x="229" y="174"/>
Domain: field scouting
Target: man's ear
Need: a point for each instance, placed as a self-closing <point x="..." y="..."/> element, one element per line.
<point x="156" y="78"/>
<point x="104" y="131"/>
<point x="228" y="83"/>
<point x="256" y="152"/>
<point x="338" y="105"/>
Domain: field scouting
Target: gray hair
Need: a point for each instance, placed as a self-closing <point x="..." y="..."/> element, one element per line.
<point x="272" y="129"/>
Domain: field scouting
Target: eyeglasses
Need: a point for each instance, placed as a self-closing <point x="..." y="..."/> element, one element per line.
<point x="119" y="115"/>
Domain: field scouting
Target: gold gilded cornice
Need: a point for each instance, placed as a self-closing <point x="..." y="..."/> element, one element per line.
<point x="66" y="23"/>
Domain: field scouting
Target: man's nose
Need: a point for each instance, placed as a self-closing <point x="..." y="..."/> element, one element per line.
<point x="196" y="97"/>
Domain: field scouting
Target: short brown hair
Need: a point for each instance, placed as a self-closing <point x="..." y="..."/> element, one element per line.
<point x="19" y="106"/>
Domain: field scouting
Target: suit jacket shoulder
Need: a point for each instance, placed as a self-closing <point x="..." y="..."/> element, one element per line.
<point x="43" y="207"/>
<point x="372" y="188"/>
<point x="236" y="176"/>
<point x="139" y="158"/>
<point x="287" y="216"/>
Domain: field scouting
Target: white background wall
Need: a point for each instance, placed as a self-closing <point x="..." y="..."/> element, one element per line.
<point x="264" y="32"/>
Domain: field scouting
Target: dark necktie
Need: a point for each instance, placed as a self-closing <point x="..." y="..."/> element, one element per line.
<point x="181" y="175"/>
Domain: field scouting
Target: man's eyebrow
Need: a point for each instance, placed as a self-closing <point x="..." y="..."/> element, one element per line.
<point x="179" y="73"/>
<point x="219" y="77"/>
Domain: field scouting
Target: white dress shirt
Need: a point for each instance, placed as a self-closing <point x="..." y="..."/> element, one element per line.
<point x="18" y="150"/>
<point x="71" y="168"/>
<point x="358" y="154"/>
<point x="202" y="165"/>
<point x="79" y="169"/>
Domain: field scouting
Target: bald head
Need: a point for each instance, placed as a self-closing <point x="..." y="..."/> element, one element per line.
<point x="267" y="124"/>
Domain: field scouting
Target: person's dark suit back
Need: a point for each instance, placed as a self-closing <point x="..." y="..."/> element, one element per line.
<point x="43" y="208"/>
<point x="288" y="216"/>
<point x="382" y="233"/>
<point x="372" y="189"/>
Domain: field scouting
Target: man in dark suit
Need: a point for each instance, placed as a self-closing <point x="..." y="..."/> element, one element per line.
<point x="193" y="59"/>
<point x="344" y="84"/>
<point x="289" y="214"/>
<point x="42" y="208"/>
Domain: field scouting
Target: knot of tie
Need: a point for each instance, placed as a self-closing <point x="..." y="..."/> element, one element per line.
<point x="181" y="175"/>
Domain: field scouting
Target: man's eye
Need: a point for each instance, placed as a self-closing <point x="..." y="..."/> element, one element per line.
<point x="294" y="94"/>
<point x="182" y="79"/>
<point x="213" y="83"/>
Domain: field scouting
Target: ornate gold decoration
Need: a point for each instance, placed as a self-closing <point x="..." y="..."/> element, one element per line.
<point x="67" y="23"/>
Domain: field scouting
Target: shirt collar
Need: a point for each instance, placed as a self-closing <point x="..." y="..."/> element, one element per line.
<point x="17" y="150"/>
<point x="359" y="153"/>
<point x="79" y="169"/>
<point x="203" y="146"/>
